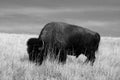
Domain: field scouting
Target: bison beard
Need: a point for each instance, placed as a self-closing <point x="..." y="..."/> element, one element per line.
<point x="34" y="48"/>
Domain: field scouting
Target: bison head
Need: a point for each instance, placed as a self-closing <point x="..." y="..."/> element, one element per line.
<point x="34" y="48"/>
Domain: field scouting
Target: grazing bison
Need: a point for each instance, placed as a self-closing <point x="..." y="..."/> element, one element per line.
<point x="62" y="39"/>
<point x="34" y="47"/>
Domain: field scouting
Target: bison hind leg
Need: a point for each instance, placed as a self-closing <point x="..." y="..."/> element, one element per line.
<point x="86" y="61"/>
<point x="90" y="57"/>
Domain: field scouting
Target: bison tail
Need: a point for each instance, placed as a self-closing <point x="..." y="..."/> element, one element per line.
<point x="97" y="41"/>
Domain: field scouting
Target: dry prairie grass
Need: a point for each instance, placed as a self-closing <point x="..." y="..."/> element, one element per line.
<point x="14" y="64"/>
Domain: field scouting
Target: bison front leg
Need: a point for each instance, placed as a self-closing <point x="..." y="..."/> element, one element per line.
<point x="62" y="56"/>
<point x="39" y="60"/>
<point x="41" y="57"/>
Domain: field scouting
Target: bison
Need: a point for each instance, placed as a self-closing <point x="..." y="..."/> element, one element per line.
<point x="62" y="39"/>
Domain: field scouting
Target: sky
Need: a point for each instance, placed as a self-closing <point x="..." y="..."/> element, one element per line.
<point x="30" y="16"/>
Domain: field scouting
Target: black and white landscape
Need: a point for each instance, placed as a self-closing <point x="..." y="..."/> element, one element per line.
<point x="21" y="20"/>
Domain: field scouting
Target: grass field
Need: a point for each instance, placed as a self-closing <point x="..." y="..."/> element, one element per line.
<point x="14" y="63"/>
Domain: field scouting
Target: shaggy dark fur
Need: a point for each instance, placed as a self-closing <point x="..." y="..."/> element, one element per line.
<point x="62" y="39"/>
